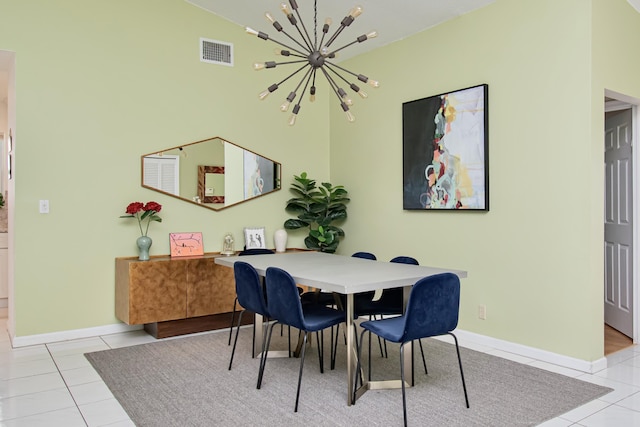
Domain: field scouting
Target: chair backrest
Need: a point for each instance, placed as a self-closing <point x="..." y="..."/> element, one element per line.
<point x="249" y="288"/>
<point x="433" y="307"/>
<point x="405" y="260"/>
<point x="258" y="251"/>
<point x="365" y="255"/>
<point x="283" y="298"/>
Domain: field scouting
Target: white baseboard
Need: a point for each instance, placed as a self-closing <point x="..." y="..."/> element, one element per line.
<point x="464" y="337"/>
<point x="532" y="352"/>
<point x="72" y="335"/>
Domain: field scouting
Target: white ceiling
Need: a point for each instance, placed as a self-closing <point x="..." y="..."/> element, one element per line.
<point x="393" y="20"/>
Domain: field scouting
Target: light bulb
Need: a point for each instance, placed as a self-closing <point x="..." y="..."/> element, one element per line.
<point x="372" y="34"/>
<point x="285" y="9"/>
<point x="312" y="94"/>
<point x="373" y="83"/>
<point x="269" y="17"/>
<point x="350" y="117"/>
<point x="258" y="66"/>
<point x="356" y="88"/>
<point x="328" y="21"/>
<point x="294" y="115"/>
<point x="264" y="94"/>
<point x="251" y="31"/>
<point x="285" y="105"/>
<point x="355" y="12"/>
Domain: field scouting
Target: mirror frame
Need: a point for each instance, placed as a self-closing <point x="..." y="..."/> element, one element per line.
<point x="214" y="169"/>
<point x="202" y="179"/>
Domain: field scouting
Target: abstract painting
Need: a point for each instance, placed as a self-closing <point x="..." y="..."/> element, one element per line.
<point x="445" y="151"/>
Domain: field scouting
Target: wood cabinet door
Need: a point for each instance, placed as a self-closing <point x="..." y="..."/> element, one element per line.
<point x="211" y="288"/>
<point x="157" y="291"/>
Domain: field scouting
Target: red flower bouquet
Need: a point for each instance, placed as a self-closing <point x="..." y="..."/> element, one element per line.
<point x="142" y="212"/>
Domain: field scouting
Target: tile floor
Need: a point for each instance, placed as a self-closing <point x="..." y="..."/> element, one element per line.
<point x="54" y="385"/>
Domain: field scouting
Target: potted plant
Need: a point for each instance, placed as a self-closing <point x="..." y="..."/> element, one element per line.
<point x="317" y="209"/>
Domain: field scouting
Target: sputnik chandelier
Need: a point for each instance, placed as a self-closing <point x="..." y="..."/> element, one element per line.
<point x="315" y="58"/>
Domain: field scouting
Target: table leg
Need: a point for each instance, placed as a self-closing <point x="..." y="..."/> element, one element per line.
<point x="260" y="336"/>
<point x="351" y="359"/>
<point x="386" y="384"/>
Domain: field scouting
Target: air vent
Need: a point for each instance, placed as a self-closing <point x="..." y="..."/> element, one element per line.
<point x="216" y="52"/>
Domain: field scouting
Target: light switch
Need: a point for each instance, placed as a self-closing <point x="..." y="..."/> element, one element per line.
<point x="44" y="206"/>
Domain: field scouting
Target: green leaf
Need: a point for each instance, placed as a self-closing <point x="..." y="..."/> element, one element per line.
<point x="317" y="207"/>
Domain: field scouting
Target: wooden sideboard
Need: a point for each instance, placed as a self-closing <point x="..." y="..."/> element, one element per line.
<point x="174" y="296"/>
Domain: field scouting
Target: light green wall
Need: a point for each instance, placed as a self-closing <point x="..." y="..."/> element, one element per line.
<point x="535" y="260"/>
<point x="97" y="85"/>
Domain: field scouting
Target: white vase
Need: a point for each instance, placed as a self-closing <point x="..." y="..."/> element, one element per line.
<point x="280" y="240"/>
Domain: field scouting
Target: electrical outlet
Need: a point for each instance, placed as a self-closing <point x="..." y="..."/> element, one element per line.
<point x="44" y="206"/>
<point x="482" y="312"/>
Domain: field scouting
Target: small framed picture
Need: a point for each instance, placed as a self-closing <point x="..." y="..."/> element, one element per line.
<point x="186" y="244"/>
<point x="254" y="238"/>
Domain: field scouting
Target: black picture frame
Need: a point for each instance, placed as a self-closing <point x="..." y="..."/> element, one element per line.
<point x="445" y="151"/>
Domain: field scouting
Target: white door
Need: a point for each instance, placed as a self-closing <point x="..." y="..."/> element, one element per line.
<point x="618" y="228"/>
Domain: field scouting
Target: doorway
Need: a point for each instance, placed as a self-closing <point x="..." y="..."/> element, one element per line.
<point x="620" y="224"/>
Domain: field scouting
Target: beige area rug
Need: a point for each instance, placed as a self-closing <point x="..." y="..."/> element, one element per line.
<point x="185" y="382"/>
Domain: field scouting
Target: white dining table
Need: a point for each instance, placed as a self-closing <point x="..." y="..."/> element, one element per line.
<point x="348" y="276"/>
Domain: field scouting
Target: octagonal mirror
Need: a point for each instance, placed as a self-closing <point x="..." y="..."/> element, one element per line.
<point x="213" y="173"/>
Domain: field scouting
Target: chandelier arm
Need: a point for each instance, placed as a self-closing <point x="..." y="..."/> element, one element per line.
<point x="321" y="40"/>
<point x="292" y="74"/>
<point x="333" y="52"/>
<point x="289" y="62"/>
<point x="301" y="80"/>
<point x="332" y="83"/>
<point x="304" y="54"/>
<point x="308" y="78"/>
<point x="305" y="57"/>
<point x="335" y="35"/>
<point x="336" y="73"/>
<point x="360" y="77"/>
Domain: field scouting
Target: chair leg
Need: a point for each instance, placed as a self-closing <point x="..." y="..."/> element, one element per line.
<point x="233" y="317"/>
<point x="304" y="347"/>
<point x="424" y="363"/>
<point x="320" y="342"/>
<point x="233" y="351"/>
<point x="334" y="347"/>
<point x="369" y="355"/>
<point x="404" y="395"/>
<point x="464" y="386"/>
<point x="263" y="355"/>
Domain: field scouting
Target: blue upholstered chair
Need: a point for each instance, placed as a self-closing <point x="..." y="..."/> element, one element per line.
<point x="235" y="302"/>
<point x="432" y="310"/>
<point x="285" y="307"/>
<point x="365" y="255"/>
<point x="250" y="295"/>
